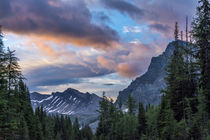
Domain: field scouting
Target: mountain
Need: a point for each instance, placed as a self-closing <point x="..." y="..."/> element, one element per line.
<point x="147" y="88"/>
<point x="70" y="102"/>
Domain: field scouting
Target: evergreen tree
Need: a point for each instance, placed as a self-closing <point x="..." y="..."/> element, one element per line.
<point x="77" y="133"/>
<point x="151" y="115"/>
<point x="67" y="132"/>
<point x="128" y="127"/>
<point x="3" y="62"/>
<point x="130" y="105"/>
<point x="176" y="33"/>
<point x="13" y="70"/>
<point x="166" y="121"/>
<point x="141" y="121"/>
<point x="4" y="126"/>
<point x="23" y="129"/>
<point x="201" y="35"/>
<point x="87" y="133"/>
<point x="104" y="124"/>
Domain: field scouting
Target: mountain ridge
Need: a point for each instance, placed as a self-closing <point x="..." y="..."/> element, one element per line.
<point x="147" y="87"/>
<point x="69" y="102"/>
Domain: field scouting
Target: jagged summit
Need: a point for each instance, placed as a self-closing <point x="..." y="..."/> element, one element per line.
<point x="146" y="88"/>
<point x="70" y="102"/>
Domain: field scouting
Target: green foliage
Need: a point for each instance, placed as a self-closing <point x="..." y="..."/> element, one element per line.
<point x="142" y="124"/>
<point x="86" y="133"/>
<point x="201" y="36"/>
<point x="130" y="104"/>
<point x="77" y="133"/>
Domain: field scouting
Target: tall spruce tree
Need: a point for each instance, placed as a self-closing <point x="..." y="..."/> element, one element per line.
<point x="104" y="125"/>
<point x="130" y="104"/>
<point x="3" y="89"/>
<point x="201" y="35"/>
<point x="142" y="124"/>
<point x="76" y="129"/>
<point x="13" y="70"/>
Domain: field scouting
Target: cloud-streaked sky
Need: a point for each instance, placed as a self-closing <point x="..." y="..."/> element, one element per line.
<point x="90" y="45"/>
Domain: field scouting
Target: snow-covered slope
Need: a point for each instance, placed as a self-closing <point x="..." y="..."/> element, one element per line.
<point x="70" y="102"/>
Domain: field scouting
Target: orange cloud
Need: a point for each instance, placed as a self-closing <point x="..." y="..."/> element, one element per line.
<point x="45" y="47"/>
<point x="105" y="63"/>
<point x="127" y="70"/>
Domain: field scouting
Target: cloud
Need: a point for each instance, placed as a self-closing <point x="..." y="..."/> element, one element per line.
<point x="131" y="29"/>
<point x="105" y="63"/>
<point x="127" y="70"/>
<point x="136" y="61"/>
<point x="160" y="27"/>
<point x="129" y="60"/>
<point x="159" y="15"/>
<point x="57" y="21"/>
<point x="124" y="7"/>
<point x="4" y="4"/>
<point x="109" y="84"/>
<point x="62" y="74"/>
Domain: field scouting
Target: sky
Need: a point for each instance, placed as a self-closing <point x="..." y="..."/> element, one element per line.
<point x="89" y="45"/>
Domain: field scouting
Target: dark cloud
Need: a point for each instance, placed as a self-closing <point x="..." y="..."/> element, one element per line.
<point x="55" y="19"/>
<point x="160" y="27"/>
<point x="109" y="84"/>
<point x="5" y="5"/>
<point x="53" y="82"/>
<point x="124" y="7"/>
<point x="62" y="74"/>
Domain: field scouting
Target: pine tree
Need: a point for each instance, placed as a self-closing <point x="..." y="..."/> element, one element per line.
<point x="130" y="105"/>
<point x="151" y="115"/>
<point x="166" y="121"/>
<point x="104" y="124"/>
<point x="176" y="32"/>
<point x="141" y="121"/>
<point x="13" y="70"/>
<point x="67" y="132"/>
<point x="38" y="125"/>
<point x="87" y="133"/>
<point x="4" y="126"/>
<point x="23" y="129"/>
<point x="77" y="133"/>
<point x="180" y="79"/>
<point x="128" y="124"/>
<point x="3" y="62"/>
<point x="201" y="35"/>
<point x="181" y="35"/>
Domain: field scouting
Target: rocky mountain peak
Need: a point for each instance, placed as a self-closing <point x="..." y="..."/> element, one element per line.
<point x="146" y="88"/>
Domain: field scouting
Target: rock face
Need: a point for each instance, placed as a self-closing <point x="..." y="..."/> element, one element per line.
<point x="70" y="102"/>
<point x="146" y="88"/>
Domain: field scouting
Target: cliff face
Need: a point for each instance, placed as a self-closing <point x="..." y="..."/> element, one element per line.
<point x="146" y="88"/>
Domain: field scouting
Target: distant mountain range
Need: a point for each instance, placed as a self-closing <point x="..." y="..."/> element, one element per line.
<point x="70" y="102"/>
